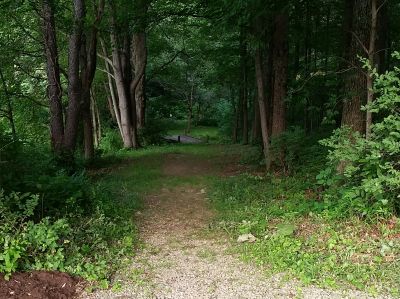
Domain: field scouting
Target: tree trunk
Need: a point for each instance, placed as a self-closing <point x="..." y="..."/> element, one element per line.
<point x="93" y="113"/>
<point x="87" y="79"/>
<point x="110" y="103"/>
<point x="88" y="69"/>
<point x="54" y="90"/>
<point x="112" y="94"/>
<point x="122" y="95"/>
<point x="257" y="121"/>
<point x="371" y="55"/>
<point x="9" y="112"/>
<point x="74" y="80"/>
<point x="140" y="58"/>
<point x="382" y="52"/>
<point x="243" y="87"/>
<point x="262" y="107"/>
<point x="190" y="110"/>
<point x="356" y="83"/>
<point x="280" y="59"/>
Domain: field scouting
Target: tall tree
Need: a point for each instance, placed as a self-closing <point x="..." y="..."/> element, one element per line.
<point x="280" y="55"/>
<point x="243" y="86"/>
<point x="120" y="82"/>
<point x="88" y="69"/>
<point x="356" y="83"/>
<point x="54" y="89"/>
<point x="140" y="59"/>
<point x="262" y="106"/>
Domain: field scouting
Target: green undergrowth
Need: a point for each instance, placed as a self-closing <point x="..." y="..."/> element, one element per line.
<point x="300" y="233"/>
<point x="83" y="223"/>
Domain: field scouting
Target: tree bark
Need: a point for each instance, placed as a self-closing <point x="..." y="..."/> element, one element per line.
<point x="93" y="117"/>
<point x="74" y="80"/>
<point x="9" y="112"/>
<point x="262" y="107"/>
<point x="126" y="127"/>
<point x="356" y="83"/>
<point x="54" y="90"/>
<point x="256" y="136"/>
<point x="190" y="110"/>
<point x="371" y="55"/>
<point x="243" y="87"/>
<point x="280" y="59"/>
<point x="112" y="93"/>
<point x="140" y="58"/>
<point x="88" y="69"/>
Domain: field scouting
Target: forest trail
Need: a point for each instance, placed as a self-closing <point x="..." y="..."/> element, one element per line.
<point x="182" y="258"/>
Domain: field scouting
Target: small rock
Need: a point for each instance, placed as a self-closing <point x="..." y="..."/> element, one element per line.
<point x="246" y="238"/>
<point x="202" y="191"/>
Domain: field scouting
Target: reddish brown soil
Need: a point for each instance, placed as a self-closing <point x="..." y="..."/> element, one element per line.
<point x="38" y="285"/>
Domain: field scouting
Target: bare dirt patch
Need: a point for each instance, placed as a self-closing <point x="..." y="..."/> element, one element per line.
<point x="39" y="285"/>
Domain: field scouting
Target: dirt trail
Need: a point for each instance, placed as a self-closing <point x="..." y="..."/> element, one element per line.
<point x="182" y="259"/>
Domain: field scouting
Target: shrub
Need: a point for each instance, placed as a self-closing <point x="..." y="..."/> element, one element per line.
<point x="285" y="148"/>
<point x="28" y="245"/>
<point x="364" y="174"/>
<point x="111" y="141"/>
<point x="154" y="132"/>
<point x="84" y="246"/>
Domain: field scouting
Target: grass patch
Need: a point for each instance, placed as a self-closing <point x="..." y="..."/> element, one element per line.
<point x="212" y="134"/>
<point x="299" y="234"/>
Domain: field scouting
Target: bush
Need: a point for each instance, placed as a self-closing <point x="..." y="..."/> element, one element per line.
<point x="154" y="132"/>
<point x="364" y="175"/>
<point x="111" y="141"/>
<point x="285" y="148"/>
<point x="84" y="246"/>
<point x="28" y="245"/>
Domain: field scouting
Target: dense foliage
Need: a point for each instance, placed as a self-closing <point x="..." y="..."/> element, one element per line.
<point x="310" y="89"/>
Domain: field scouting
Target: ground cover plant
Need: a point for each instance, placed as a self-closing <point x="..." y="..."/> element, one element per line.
<point x="292" y="109"/>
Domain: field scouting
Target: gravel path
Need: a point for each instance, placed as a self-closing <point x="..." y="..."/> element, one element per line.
<point x="181" y="258"/>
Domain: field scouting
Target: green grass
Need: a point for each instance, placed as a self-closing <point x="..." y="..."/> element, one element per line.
<point x="321" y="246"/>
<point x="201" y="132"/>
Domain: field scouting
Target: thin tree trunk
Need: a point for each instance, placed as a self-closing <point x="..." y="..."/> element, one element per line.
<point x="54" y="90"/>
<point x="94" y="119"/>
<point x="10" y="113"/>
<point x="74" y="80"/>
<point x="115" y="104"/>
<point x="98" y="123"/>
<point x="280" y="58"/>
<point x="262" y="107"/>
<point x="121" y="89"/>
<point x="140" y="58"/>
<point x="243" y="87"/>
<point x="88" y="69"/>
<point x="257" y="121"/>
<point x="356" y="83"/>
<point x="110" y="103"/>
<point x="371" y="54"/>
<point x="382" y="52"/>
<point x="190" y="110"/>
